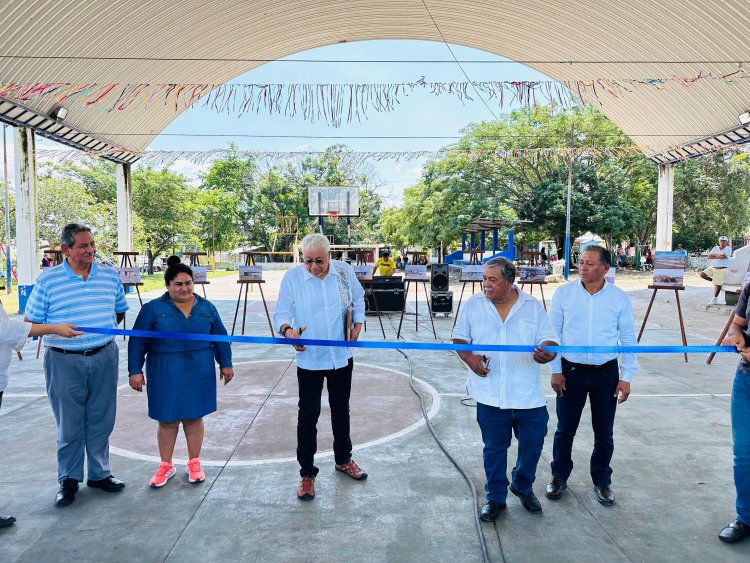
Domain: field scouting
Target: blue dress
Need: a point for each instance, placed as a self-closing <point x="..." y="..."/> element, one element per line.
<point x="180" y="374"/>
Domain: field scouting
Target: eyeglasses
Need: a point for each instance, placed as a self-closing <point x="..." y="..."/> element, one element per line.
<point x="318" y="261"/>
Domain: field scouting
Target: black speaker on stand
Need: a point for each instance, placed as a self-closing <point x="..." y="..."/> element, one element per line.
<point x="439" y="277"/>
<point x="441" y="300"/>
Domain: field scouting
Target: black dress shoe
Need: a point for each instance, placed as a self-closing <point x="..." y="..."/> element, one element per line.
<point x="556" y="488"/>
<point x="6" y="521"/>
<point x="108" y="484"/>
<point x="491" y="510"/>
<point x="604" y="495"/>
<point x="67" y="492"/>
<point x="734" y="532"/>
<point x="528" y="500"/>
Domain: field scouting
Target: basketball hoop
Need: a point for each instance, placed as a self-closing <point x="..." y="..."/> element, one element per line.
<point x="333" y="214"/>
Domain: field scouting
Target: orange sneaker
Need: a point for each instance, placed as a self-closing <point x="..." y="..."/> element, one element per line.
<point x="352" y="469"/>
<point x="306" y="489"/>
<point x="194" y="471"/>
<point x="163" y="474"/>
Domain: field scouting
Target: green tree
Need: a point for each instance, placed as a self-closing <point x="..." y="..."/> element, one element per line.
<point x="166" y="205"/>
<point x="711" y="199"/>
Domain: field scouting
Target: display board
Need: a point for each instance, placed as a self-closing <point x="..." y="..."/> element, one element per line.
<point x="669" y="268"/>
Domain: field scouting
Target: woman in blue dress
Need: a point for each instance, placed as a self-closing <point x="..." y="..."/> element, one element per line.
<point x="181" y="374"/>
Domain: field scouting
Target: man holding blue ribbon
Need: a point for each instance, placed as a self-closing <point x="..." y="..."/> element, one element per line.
<point x="506" y="386"/>
<point x="323" y="299"/>
<point x="590" y="312"/>
<point x="739" y="336"/>
<point x="81" y="373"/>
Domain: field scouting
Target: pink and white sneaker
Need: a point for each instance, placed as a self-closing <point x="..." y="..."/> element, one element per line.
<point x="163" y="474"/>
<point x="194" y="471"/>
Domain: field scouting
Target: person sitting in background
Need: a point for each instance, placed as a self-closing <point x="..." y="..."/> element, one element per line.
<point x="384" y="265"/>
<point x="718" y="260"/>
<point x="181" y="373"/>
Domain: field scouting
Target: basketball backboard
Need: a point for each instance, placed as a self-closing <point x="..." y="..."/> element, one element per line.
<point x="342" y="201"/>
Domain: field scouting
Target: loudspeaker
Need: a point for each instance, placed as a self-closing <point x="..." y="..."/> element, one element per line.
<point x="439" y="277"/>
<point x="389" y="300"/>
<point x="441" y="302"/>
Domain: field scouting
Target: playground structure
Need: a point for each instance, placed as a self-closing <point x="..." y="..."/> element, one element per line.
<point x="474" y="252"/>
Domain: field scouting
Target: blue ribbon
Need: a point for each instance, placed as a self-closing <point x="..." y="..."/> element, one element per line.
<point x="411" y="345"/>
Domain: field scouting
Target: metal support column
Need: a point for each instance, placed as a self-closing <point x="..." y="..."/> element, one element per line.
<point x="124" y="209"/>
<point x="664" y="207"/>
<point x="27" y="237"/>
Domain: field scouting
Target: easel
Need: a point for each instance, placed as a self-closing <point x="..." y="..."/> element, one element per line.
<point x="476" y="256"/>
<point x="463" y="287"/>
<point x="57" y="259"/>
<point x="409" y="280"/>
<point x="126" y="262"/>
<point x="369" y="280"/>
<point x="541" y="289"/>
<point x="249" y="261"/>
<point x="676" y="289"/>
<point x="721" y="338"/>
<point x="196" y="261"/>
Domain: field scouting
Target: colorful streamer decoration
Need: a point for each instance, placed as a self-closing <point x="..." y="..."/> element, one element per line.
<point x="357" y="158"/>
<point x="333" y="104"/>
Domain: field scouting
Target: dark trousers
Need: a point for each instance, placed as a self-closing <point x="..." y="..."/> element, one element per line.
<point x="598" y="383"/>
<point x="497" y="426"/>
<point x="1" y="398"/>
<point x="339" y="383"/>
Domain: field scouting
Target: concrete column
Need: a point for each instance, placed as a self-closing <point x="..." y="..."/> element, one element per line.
<point x="664" y="207"/>
<point x="27" y="236"/>
<point x="124" y="209"/>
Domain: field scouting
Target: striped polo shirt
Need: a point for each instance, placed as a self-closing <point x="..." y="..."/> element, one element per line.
<point x="62" y="296"/>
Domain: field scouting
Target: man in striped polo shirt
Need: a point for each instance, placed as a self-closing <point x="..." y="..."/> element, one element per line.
<point x="81" y="372"/>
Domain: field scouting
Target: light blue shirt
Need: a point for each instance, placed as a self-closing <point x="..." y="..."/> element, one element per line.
<point x="513" y="380"/>
<point x="321" y="306"/>
<point x="602" y="319"/>
<point x="62" y="296"/>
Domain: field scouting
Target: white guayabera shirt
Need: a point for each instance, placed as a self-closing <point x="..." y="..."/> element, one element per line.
<point x="13" y="336"/>
<point x="513" y="380"/>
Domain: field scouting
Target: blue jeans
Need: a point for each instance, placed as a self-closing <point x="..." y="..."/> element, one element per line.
<point x="530" y="428"/>
<point x="741" y="443"/>
<point x="598" y="383"/>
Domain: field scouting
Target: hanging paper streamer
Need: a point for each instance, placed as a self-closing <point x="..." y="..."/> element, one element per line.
<point x="356" y="158"/>
<point x="332" y="104"/>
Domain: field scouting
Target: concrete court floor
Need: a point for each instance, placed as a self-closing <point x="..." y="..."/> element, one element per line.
<point x="673" y="476"/>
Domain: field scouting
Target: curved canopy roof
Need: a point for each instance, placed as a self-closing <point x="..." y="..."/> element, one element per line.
<point x="162" y="41"/>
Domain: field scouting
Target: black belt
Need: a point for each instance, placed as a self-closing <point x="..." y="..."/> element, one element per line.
<point x="89" y="352"/>
<point x="591" y="366"/>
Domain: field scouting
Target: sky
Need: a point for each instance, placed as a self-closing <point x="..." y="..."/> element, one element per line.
<point x="419" y="114"/>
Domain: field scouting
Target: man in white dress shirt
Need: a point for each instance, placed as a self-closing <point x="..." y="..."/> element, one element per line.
<point x="590" y="312"/>
<point x="506" y="386"/>
<point x="319" y="297"/>
<point x="13" y="334"/>
<point x="718" y="262"/>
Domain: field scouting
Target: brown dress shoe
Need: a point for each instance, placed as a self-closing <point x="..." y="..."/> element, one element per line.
<point x="306" y="489"/>
<point x="556" y="488"/>
<point x="604" y="495"/>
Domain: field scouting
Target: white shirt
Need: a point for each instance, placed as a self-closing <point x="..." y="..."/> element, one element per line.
<point x="320" y="305"/>
<point x="720" y="262"/>
<point x="602" y="319"/>
<point x="513" y="380"/>
<point x="13" y="336"/>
